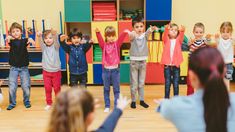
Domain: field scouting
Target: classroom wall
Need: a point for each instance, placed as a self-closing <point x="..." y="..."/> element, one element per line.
<point x="18" y="10"/>
<point x="186" y="12"/>
<point x="211" y="12"/>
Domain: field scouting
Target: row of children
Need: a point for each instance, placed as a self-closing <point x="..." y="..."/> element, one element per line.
<point x="210" y="109"/>
<point x="172" y="58"/>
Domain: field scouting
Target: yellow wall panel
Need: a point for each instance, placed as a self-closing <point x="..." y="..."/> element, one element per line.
<point x="184" y="65"/>
<point x="90" y="74"/>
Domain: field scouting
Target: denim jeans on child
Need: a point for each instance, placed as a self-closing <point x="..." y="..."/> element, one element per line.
<point x="82" y="79"/>
<point x="111" y="76"/>
<point x="23" y="73"/>
<point x="137" y="79"/>
<point x="169" y="73"/>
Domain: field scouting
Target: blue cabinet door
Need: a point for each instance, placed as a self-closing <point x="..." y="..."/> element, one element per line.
<point x="158" y="10"/>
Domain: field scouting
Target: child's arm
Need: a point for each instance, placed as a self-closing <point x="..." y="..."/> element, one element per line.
<point x="100" y="38"/>
<point x="40" y="40"/>
<point x="63" y="44"/>
<point x="55" y="37"/>
<point x="30" y="40"/>
<point x="217" y="36"/>
<point x="122" y="37"/>
<point x="181" y="34"/>
<point x="8" y="39"/>
<point x="131" y="34"/>
<point x="87" y="45"/>
<point x="150" y="30"/>
<point x="165" y="33"/>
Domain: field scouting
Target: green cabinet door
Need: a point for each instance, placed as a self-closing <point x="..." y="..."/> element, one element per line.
<point x="125" y="73"/>
<point x="77" y="10"/>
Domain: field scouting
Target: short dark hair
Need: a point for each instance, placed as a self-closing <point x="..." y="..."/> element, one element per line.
<point x="137" y="20"/>
<point x="75" y="32"/>
<point x="15" y="25"/>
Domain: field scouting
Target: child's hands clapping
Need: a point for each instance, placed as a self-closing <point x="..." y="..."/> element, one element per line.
<point x="122" y="102"/>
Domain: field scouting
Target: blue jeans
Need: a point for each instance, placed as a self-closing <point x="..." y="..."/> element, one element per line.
<point x="169" y="72"/>
<point x="82" y="79"/>
<point x="111" y="76"/>
<point x="23" y="72"/>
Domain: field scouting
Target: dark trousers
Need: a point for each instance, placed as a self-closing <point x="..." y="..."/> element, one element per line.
<point x="172" y="75"/>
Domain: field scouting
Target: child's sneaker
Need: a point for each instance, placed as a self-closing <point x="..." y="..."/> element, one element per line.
<point x="10" y="107"/>
<point x="27" y="105"/>
<point x="142" y="103"/>
<point x="133" y="105"/>
<point x="48" y="107"/>
<point x="106" y="110"/>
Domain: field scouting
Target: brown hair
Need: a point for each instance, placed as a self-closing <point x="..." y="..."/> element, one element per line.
<point x="15" y="25"/>
<point x="137" y="20"/>
<point x="46" y="32"/>
<point x="174" y="25"/>
<point x="226" y="26"/>
<point x="207" y="63"/>
<point x="109" y="31"/>
<point x="199" y="25"/>
<point x="71" y="110"/>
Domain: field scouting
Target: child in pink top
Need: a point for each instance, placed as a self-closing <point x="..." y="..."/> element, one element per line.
<point x="110" y="61"/>
<point x="172" y="56"/>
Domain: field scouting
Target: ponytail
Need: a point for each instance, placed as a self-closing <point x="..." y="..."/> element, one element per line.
<point x="216" y="103"/>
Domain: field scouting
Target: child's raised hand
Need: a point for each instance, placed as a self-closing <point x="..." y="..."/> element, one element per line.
<point x="9" y="38"/>
<point x="208" y="36"/>
<point x="30" y="40"/>
<point x="53" y="32"/>
<point x="126" y="31"/>
<point x="182" y="28"/>
<point x="97" y="30"/>
<point x="39" y="34"/>
<point x="63" y="37"/>
<point x="122" y="102"/>
<point x="91" y="41"/>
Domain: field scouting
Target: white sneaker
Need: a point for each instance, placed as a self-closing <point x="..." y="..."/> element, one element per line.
<point x="106" y="110"/>
<point x="48" y="107"/>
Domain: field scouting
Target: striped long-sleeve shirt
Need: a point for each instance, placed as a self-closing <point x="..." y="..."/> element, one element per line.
<point x="197" y="44"/>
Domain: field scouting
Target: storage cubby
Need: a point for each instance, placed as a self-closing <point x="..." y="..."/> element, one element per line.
<point x="128" y="9"/>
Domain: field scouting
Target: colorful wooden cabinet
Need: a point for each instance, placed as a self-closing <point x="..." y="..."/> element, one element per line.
<point x="77" y="10"/>
<point x="158" y="10"/>
<point x="101" y="26"/>
<point x="125" y="73"/>
<point x="184" y="65"/>
<point x="154" y="73"/>
<point x="122" y="26"/>
<point x="90" y="78"/>
<point x="97" y="73"/>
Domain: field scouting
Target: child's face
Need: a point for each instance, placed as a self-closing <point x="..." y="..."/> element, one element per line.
<point x="76" y="40"/>
<point x="16" y="33"/>
<point x="139" y="27"/>
<point x="173" y="32"/>
<point x="110" y="39"/>
<point x="49" y="39"/>
<point x="226" y="34"/>
<point x="198" y="32"/>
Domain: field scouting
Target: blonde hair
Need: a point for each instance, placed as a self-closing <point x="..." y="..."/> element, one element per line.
<point x="109" y="31"/>
<point x="199" y="25"/>
<point x="71" y="110"/>
<point x="15" y="25"/>
<point x="46" y="32"/>
<point x="226" y="26"/>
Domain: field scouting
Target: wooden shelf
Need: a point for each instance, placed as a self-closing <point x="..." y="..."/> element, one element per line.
<point x="33" y="50"/>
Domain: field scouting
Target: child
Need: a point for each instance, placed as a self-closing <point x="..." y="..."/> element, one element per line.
<point x="19" y="61"/>
<point x="77" y="57"/>
<point x="210" y="108"/>
<point x="198" y="42"/>
<point x="74" y="112"/>
<point x="50" y="64"/>
<point x="225" y="46"/>
<point x="138" y="57"/>
<point x="172" y="56"/>
<point x="1" y="97"/>
<point x="110" y="61"/>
